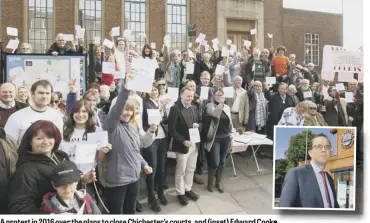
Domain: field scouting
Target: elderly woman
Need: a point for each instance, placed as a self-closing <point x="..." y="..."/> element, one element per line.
<point x="292" y="92"/>
<point x="60" y="48"/>
<point x="257" y="108"/>
<point x="172" y="68"/>
<point x="26" y="48"/>
<point x="312" y="117"/>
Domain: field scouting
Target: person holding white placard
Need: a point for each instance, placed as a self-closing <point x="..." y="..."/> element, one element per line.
<point x="155" y="155"/>
<point x="304" y="92"/>
<point x="38" y="155"/>
<point x="336" y="109"/>
<point x="187" y="68"/>
<point x="182" y="117"/>
<point x="257" y="109"/>
<point x="126" y="139"/>
<point x="172" y="68"/>
<point x="60" y="48"/>
<point x="239" y="104"/>
<point x="256" y="69"/>
<point x="217" y="138"/>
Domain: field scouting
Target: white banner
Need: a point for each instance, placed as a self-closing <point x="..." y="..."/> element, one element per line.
<point x="338" y="59"/>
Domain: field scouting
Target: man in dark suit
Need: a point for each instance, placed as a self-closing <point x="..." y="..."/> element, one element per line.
<point x="310" y="186"/>
<point x="276" y="107"/>
<point x="184" y="116"/>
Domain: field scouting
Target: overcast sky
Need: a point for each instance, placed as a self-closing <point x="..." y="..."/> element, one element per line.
<point x="352" y="16"/>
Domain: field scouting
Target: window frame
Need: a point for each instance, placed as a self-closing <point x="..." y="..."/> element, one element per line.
<point x="49" y="18"/>
<point x="311" y="41"/>
<point x="81" y="18"/>
<point x="135" y="19"/>
<point x="177" y="16"/>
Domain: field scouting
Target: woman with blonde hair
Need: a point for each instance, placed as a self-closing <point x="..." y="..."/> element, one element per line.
<point x="23" y="95"/>
<point x="124" y="162"/>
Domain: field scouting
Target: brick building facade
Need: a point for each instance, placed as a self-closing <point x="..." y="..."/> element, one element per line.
<point x="224" y="19"/>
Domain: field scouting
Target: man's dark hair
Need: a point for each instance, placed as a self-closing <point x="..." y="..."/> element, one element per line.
<point x="317" y="136"/>
<point x="44" y="83"/>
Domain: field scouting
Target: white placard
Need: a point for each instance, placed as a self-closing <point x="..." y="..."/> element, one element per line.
<point x="100" y="138"/>
<point x="116" y="31"/>
<point x="97" y="40"/>
<point x="341" y="60"/>
<point x="108" y="67"/>
<point x="348" y="97"/>
<point x="12" y="44"/>
<point x="206" y="47"/>
<point x="121" y="62"/>
<point x="68" y="37"/>
<point x="190" y="45"/>
<point x="108" y="43"/>
<point x="173" y="93"/>
<point x="144" y="75"/>
<point x="253" y="31"/>
<point x="225" y="52"/>
<point x="127" y="33"/>
<point x="189" y="68"/>
<point x="220" y="70"/>
<point x="233" y="49"/>
<point x="215" y="41"/>
<point x="215" y="48"/>
<point x="205" y="43"/>
<point x="194" y="135"/>
<point x="191" y="54"/>
<point x="154" y="116"/>
<point x="247" y="43"/>
<point x="345" y="77"/>
<point x="85" y="153"/>
<point x="201" y="37"/>
<point x="12" y="31"/>
<point x="270" y="35"/>
<point x="81" y="33"/>
<point x="228" y="92"/>
<point x="229" y="42"/>
<point x="204" y="93"/>
<point x="271" y="80"/>
<point x="307" y="94"/>
<point x="340" y="87"/>
<point x="153" y="46"/>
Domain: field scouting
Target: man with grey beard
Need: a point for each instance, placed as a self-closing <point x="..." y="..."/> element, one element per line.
<point x="304" y="92"/>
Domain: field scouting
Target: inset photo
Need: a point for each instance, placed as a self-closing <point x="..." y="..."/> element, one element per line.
<point x="314" y="168"/>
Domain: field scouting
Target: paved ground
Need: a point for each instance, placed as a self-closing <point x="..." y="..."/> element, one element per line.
<point x="248" y="193"/>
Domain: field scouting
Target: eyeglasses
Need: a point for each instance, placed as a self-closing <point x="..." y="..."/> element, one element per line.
<point x="313" y="108"/>
<point x="161" y="85"/>
<point x="56" y="102"/>
<point x="327" y="147"/>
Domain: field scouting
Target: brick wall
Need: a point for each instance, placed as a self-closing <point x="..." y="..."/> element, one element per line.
<point x="11" y="16"/>
<point x="64" y="16"/>
<point x="290" y="25"/>
<point x="112" y="15"/>
<point x="203" y="13"/>
<point x="157" y="26"/>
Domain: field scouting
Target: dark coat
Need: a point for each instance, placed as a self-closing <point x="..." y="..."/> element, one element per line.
<point x="31" y="181"/>
<point x="179" y="125"/>
<point x="276" y="108"/>
<point x="300" y="189"/>
<point x="64" y="51"/>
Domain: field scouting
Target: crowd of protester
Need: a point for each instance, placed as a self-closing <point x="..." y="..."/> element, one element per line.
<point x="37" y="175"/>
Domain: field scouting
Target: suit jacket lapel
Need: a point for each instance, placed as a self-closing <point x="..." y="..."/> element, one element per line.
<point x="316" y="189"/>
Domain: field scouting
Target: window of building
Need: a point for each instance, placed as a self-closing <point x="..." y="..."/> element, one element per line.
<point x="90" y="18"/>
<point x="40" y="24"/>
<point x="312" y="48"/>
<point x="176" y="23"/>
<point x="135" y="20"/>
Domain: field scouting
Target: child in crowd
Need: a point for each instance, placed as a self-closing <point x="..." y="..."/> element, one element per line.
<point x="67" y="198"/>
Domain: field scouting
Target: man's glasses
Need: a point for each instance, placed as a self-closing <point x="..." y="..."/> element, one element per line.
<point x="313" y="108"/>
<point x="327" y="147"/>
<point x="55" y="102"/>
<point x="159" y="85"/>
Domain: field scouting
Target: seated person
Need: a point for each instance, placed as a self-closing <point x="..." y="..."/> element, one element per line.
<point x="68" y="199"/>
